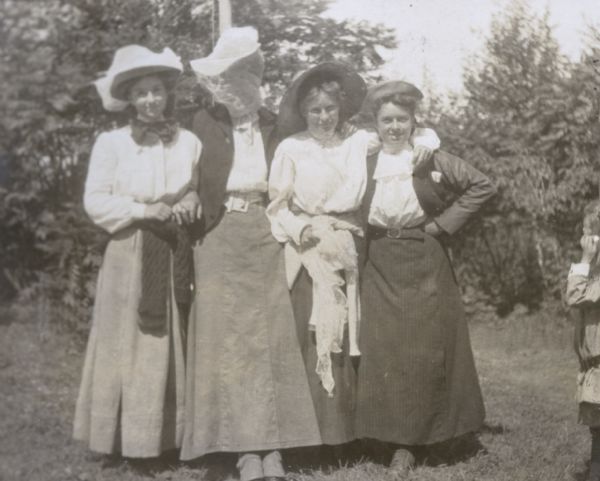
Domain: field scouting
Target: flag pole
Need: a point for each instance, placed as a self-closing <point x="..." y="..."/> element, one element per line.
<point x="225" y="17"/>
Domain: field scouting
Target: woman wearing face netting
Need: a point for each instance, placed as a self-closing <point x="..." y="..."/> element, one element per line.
<point x="246" y="389"/>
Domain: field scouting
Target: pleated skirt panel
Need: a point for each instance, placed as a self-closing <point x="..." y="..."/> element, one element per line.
<point x="131" y="395"/>
<point x="417" y="380"/>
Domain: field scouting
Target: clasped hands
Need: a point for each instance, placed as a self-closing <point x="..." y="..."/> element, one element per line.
<point x="186" y="211"/>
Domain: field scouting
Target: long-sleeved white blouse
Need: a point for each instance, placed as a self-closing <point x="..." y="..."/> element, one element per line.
<point x="322" y="180"/>
<point x="395" y="202"/>
<point x="315" y="179"/>
<point x="124" y="177"/>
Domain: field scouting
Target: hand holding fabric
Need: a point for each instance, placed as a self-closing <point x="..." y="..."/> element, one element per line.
<point x="188" y="209"/>
<point x="308" y="238"/>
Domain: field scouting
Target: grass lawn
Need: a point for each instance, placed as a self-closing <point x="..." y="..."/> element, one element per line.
<point x="527" y="374"/>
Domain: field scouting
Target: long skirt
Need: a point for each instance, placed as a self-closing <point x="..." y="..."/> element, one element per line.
<point x="417" y="382"/>
<point x="132" y="388"/>
<point x="246" y="387"/>
<point x="335" y="414"/>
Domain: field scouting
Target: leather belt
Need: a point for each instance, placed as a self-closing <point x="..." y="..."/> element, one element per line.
<point x="417" y="232"/>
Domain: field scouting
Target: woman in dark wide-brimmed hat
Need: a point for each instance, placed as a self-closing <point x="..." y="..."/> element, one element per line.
<point x="417" y="379"/>
<point x="246" y="388"/>
<point x="316" y="185"/>
<point x="140" y="176"/>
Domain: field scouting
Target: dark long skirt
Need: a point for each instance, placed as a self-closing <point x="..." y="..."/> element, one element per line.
<point x="335" y="415"/>
<point x="417" y="379"/>
<point x="246" y="387"/>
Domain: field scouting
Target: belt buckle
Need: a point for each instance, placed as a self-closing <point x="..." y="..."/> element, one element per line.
<point x="237" y="204"/>
<point x="393" y="233"/>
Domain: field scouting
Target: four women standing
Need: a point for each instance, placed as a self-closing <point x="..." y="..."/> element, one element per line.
<point x="257" y="380"/>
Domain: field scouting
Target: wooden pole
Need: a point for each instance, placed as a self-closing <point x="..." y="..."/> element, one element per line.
<point x="225" y="18"/>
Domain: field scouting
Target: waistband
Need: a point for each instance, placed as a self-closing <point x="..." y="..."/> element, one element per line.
<point x="240" y="201"/>
<point x="416" y="232"/>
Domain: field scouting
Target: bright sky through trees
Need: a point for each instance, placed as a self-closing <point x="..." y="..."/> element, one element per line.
<point x="436" y="36"/>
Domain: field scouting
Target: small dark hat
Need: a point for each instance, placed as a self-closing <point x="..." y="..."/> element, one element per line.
<point x="393" y="87"/>
<point x="290" y="120"/>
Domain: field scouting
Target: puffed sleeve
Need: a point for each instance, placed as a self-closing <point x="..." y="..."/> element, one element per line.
<point x="107" y="209"/>
<point x="475" y="188"/>
<point x="581" y="290"/>
<point x="426" y="137"/>
<point x="285" y="225"/>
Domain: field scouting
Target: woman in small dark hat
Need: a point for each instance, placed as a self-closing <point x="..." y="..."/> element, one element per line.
<point x="316" y="185"/>
<point x="417" y="382"/>
<point x="140" y="177"/>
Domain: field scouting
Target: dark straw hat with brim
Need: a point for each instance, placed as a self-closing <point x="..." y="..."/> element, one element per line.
<point x="290" y="119"/>
<point x="407" y="92"/>
<point x="131" y="62"/>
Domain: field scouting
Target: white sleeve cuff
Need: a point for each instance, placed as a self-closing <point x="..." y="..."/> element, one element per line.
<point x="581" y="269"/>
<point x="138" y="210"/>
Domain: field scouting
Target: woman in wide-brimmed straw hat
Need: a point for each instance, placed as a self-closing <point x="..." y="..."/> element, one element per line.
<point x="417" y="383"/>
<point x="140" y="177"/>
<point x="247" y="390"/>
<point x="317" y="183"/>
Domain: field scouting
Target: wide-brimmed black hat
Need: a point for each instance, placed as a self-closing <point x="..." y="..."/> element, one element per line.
<point x="290" y="119"/>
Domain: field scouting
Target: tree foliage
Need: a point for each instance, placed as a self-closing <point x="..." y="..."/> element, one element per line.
<point x="530" y="121"/>
<point x="51" y="51"/>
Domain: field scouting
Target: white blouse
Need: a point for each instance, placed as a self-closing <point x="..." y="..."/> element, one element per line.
<point x="315" y="179"/>
<point x="395" y="203"/>
<point x="249" y="170"/>
<point x="124" y="177"/>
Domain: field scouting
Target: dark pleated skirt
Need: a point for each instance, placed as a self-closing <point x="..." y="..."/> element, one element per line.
<point x="335" y="415"/>
<point x="417" y="382"/>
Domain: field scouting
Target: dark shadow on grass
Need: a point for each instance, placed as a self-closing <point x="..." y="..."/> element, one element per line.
<point x="6" y="316"/>
<point x="448" y="453"/>
<point x="494" y="429"/>
<point x="215" y="466"/>
<point x="212" y="467"/>
<point x="453" y="451"/>
<point x="323" y="458"/>
<point x="582" y="475"/>
<point x="168" y="461"/>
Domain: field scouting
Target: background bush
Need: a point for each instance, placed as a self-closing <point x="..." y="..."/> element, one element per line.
<point x="528" y="118"/>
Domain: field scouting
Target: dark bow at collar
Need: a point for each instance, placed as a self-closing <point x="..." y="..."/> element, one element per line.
<point x="145" y="133"/>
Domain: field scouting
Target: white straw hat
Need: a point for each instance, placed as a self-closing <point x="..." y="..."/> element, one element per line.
<point x="234" y="44"/>
<point x="130" y="62"/>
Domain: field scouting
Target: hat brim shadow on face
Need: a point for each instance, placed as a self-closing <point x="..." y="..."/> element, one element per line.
<point x="122" y="81"/>
<point x="291" y="121"/>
